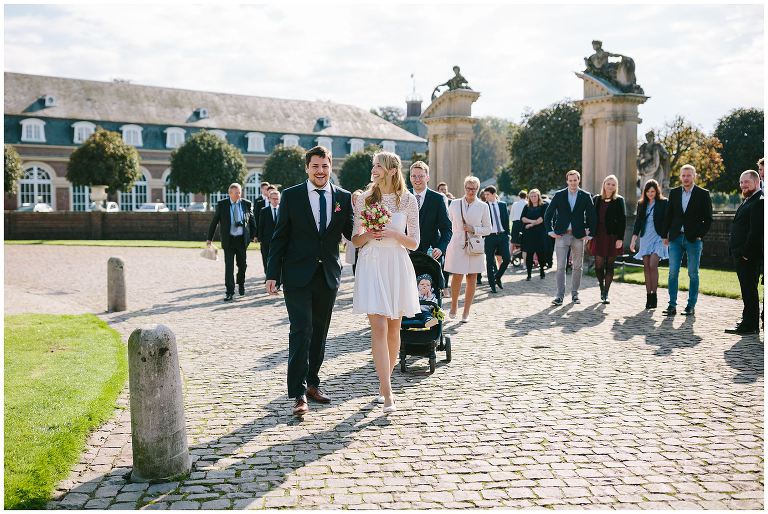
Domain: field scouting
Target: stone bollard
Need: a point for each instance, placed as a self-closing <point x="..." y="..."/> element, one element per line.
<point x="116" y="285"/>
<point x="158" y="431"/>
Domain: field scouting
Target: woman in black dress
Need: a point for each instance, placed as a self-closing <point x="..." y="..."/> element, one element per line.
<point x="608" y="243"/>
<point x="534" y="239"/>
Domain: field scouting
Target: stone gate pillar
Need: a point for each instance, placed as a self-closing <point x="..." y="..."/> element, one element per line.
<point x="609" y="120"/>
<point x="449" y="132"/>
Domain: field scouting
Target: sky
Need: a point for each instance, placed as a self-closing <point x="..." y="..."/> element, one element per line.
<point x="700" y="61"/>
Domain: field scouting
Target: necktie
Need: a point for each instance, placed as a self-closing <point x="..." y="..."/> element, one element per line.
<point x="494" y="206"/>
<point x="418" y="200"/>
<point x="323" y="214"/>
<point x="274" y="214"/>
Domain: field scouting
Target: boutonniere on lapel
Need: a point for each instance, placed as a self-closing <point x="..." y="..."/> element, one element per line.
<point x="337" y="207"/>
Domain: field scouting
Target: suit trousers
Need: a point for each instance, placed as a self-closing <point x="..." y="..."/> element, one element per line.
<point x="309" y="313"/>
<point x="749" y="275"/>
<point x="234" y="251"/>
<point x="496" y="243"/>
<point x="563" y="244"/>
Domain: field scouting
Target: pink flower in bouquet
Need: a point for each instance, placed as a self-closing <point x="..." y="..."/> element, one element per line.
<point x="375" y="217"/>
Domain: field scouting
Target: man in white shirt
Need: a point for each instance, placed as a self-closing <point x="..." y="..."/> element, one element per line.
<point x="514" y="216"/>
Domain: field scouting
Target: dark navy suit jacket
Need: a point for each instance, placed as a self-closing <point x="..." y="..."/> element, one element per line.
<point x="581" y="218"/>
<point x="503" y="216"/>
<point x="434" y="224"/>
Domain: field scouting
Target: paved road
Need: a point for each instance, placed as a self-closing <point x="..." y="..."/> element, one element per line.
<point x="585" y="406"/>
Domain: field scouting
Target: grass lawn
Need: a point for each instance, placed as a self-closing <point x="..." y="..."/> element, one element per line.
<point x="62" y="376"/>
<point x="119" y="242"/>
<point x="711" y="281"/>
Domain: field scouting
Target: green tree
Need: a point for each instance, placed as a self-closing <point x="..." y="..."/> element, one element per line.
<point x="13" y="169"/>
<point x="355" y="173"/>
<point x="546" y="145"/>
<point x="743" y="137"/>
<point x="390" y="113"/>
<point x="489" y="146"/>
<point x="104" y="160"/>
<point x="285" y="166"/>
<point x="688" y="144"/>
<point x="206" y="164"/>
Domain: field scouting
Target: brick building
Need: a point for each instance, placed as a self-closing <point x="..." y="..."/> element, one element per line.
<point x="46" y="118"/>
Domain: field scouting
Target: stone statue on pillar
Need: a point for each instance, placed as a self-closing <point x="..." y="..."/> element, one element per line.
<point x="455" y="82"/>
<point x="621" y="74"/>
<point x="653" y="163"/>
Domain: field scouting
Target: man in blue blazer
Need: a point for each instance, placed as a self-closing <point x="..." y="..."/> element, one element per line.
<point x="573" y="214"/>
<point x="434" y="224"/>
<point x="498" y="240"/>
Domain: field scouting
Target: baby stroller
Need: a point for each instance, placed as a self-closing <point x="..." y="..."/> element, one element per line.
<point x="414" y="338"/>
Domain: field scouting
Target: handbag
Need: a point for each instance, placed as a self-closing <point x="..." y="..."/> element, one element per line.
<point x="473" y="245"/>
<point x="210" y="252"/>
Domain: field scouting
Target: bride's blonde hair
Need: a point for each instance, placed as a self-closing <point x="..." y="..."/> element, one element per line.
<point x="389" y="161"/>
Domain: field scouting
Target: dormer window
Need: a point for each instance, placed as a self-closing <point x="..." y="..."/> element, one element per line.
<point x="290" y="140"/>
<point x="33" y="130"/>
<point x="219" y="133"/>
<point x="202" y="113"/>
<point x="49" y="101"/>
<point x="255" y="142"/>
<point x="83" y="130"/>
<point x="326" y="142"/>
<point x="356" y="145"/>
<point x="388" y="146"/>
<point x="324" y="122"/>
<point x="132" y="135"/>
<point x="174" y="137"/>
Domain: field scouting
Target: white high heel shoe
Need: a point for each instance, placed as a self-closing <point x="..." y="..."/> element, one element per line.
<point x="380" y="399"/>
<point x="391" y="408"/>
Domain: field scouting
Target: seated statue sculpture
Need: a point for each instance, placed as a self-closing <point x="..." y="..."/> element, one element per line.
<point x="621" y="74"/>
<point x="455" y="82"/>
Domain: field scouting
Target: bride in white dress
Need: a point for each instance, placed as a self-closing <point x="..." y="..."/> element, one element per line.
<point x="385" y="281"/>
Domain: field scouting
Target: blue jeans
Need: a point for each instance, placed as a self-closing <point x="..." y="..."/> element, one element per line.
<point x="693" y="250"/>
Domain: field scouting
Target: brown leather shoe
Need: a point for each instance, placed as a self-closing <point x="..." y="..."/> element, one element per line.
<point x="300" y="407"/>
<point x="314" y="394"/>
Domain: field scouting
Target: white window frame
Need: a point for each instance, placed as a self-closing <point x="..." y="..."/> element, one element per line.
<point x="131" y="131"/>
<point x="130" y="200"/>
<point x="32" y="130"/>
<point x="326" y="142"/>
<point x="39" y="184"/>
<point x="255" y="142"/>
<point x="356" y="145"/>
<point x="290" y="140"/>
<point x="76" y="191"/>
<point x="83" y="130"/>
<point x="252" y="186"/>
<point x="217" y="197"/>
<point x="219" y="133"/>
<point x="172" y="133"/>
<point x="388" y="146"/>
<point x="175" y="199"/>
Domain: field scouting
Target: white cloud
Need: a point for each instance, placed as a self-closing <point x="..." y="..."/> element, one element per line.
<point x="700" y="61"/>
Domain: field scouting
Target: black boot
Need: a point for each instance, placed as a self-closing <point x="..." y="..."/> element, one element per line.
<point x="541" y="272"/>
<point x="648" y="301"/>
<point x="654" y="300"/>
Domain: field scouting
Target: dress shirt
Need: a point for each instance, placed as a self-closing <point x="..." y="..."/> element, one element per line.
<point x="274" y="214"/>
<point x="572" y="201"/>
<point x="495" y="217"/>
<point x="420" y="197"/>
<point x="314" y="202"/>
<point x="236" y="211"/>
<point x="517" y="210"/>
<point x="686" y="197"/>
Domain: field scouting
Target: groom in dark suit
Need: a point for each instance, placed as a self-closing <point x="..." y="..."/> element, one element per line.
<point x="304" y="254"/>
<point x="237" y="228"/>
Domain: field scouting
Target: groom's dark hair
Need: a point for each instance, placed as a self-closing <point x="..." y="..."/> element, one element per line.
<point x="320" y="151"/>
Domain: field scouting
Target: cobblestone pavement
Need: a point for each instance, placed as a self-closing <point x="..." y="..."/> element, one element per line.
<point x="579" y="406"/>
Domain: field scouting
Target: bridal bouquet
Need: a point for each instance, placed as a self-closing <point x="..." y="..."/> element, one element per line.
<point x="375" y="216"/>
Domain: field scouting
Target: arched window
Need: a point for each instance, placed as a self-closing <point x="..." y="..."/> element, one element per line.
<point x="132" y="135"/>
<point x="35" y="186"/>
<point x="290" y="140"/>
<point x="83" y="130"/>
<point x="252" y="189"/>
<point x="356" y="145"/>
<point x="219" y="133"/>
<point x="81" y="198"/>
<point x="174" y="137"/>
<point x="326" y="142"/>
<point x="138" y="195"/>
<point x="174" y="198"/>
<point x="388" y="146"/>
<point x="255" y="142"/>
<point x="32" y="130"/>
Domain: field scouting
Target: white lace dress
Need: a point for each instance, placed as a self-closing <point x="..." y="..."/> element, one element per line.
<point x="385" y="281"/>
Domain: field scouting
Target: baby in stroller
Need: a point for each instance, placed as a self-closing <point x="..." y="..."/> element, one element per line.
<point x="428" y="301"/>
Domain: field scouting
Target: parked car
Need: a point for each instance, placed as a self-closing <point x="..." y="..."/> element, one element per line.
<point x="35" y="207"/>
<point x="110" y="207"/>
<point x="197" y="207"/>
<point x="153" y="207"/>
